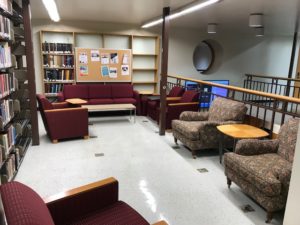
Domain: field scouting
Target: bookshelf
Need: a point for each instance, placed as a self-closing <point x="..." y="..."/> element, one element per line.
<point x="145" y="61"/>
<point x="17" y="104"/>
<point x="57" y="54"/>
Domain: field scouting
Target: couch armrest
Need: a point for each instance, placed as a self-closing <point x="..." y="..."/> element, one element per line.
<point x="193" y="116"/>
<point x="60" y="105"/>
<point x="66" y="205"/>
<point x="60" y="96"/>
<point x="256" y="147"/>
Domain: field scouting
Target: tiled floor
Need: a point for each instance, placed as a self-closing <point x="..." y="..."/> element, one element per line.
<point x="159" y="179"/>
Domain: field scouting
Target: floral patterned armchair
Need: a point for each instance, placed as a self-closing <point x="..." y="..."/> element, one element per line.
<point x="262" y="168"/>
<point x="197" y="130"/>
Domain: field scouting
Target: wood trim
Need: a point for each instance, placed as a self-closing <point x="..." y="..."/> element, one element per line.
<point x="79" y="190"/>
<point x="244" y="90"/>
<point x="65" y="109"/>
<point x="160" y="223"/>
<point x="173" y="98"/>
<point x="58" y="103"/>
<point x="184" y="103"/>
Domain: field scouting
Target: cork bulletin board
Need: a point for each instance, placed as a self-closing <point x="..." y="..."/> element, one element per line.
<point x="103" y="65"/>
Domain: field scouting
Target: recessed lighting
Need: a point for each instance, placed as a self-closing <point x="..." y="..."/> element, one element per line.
<point x="256" y="20"/>
<point x="212" y="28"/>
<point x="259" y="31"/>
<point x="182" y="11"/>
<point x="50" y="5"/>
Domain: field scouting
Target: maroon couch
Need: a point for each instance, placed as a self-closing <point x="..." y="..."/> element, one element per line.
<point x="96" y="203"/>
<point x="188" y="102"/>
<point x="62" y="122"/>
<point x="96" y="94"/>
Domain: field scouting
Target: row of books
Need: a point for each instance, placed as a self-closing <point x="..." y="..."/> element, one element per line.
<point x="6" y="112"/>
<point x="7" y="140"/>
<point x="5" y="55"/>
<point x="57" y="48"/>
<point x="58" y="61"/>
<point x="55" y="75"/>
<point x="53" y="88"/>
<point x="6" y="5"/>
<point x="8" y="84"/>
<point x="4" y="27"/>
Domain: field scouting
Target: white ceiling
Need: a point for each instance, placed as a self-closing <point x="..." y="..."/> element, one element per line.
<point x="231" y="15"/>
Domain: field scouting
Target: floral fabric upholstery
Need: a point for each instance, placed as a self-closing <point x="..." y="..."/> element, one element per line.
<point x="197" y="131"/>
<point x="223" y="109"/>
<point x="262" y="168"/>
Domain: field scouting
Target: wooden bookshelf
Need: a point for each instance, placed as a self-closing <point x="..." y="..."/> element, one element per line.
<point x="18" y="105"/>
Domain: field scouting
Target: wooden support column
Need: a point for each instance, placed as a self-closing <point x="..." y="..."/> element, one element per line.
<point x="30" y="72"/>
<point x="164" y="71"/>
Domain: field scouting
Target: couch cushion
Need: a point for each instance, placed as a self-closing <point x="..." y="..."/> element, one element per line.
<point x="263" y="171"/>
<point x="122" y="90"/>
<point x="100" y="101"/>
<point x="76" y="91"/>
<point x="190" y="96"/>
<point x="124" y="101"/>
<point x="23" y="206"/>
<point x="223" y="109"/>
<point x="287" y="138"/>
<point x="189" y="129"/>
<point x="99" y="91"/>
<point x="119" y="213"/>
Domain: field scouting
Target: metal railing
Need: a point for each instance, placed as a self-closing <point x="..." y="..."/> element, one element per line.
<point x="265" y="110"/>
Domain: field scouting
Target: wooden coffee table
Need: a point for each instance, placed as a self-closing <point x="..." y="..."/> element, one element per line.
<point x="239" y="131"/>
<point x="112" y="107"/>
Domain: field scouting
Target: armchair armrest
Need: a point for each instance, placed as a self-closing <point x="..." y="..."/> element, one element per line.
<point x="60" y="97"/>
<point x="137" y="97"/>
<point x="193" y="116"/>
<point x="77" y="202"/>
<point x="256" y="147"/>
<point x="60" y="105"/>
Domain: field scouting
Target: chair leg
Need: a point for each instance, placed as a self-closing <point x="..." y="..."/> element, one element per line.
<point x="194" y="154"/>
<point x="175" y="140"/>
<point x="55" y="141"/>
<point x="269" y="217"/>
<point x="228" y="182"/>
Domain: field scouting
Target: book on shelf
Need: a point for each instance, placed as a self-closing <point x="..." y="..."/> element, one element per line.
<point x="59" y="75"/>
<point x="57" y="48"/>
<point x="9" y="168"/>
<point x="6" y="112"/>
<point x="5" y="27"/>
<point x="55" y="61"/>
<point x="8" y="84"/>
<point x="5" y="55"/>
<point x="53" y="88"/>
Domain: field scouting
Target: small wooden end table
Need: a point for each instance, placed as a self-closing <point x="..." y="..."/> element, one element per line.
<point x="76" y="101"/>
<point x="239" y="131"/>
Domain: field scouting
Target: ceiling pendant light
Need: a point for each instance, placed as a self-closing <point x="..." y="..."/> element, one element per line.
<point x="259" y="31"/>
<point x="212" y="28"/>
<point x="256" y="20"/>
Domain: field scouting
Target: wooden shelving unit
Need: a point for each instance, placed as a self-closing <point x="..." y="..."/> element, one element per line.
<point x="145" y="55"/>
<point x="18" y="114"/>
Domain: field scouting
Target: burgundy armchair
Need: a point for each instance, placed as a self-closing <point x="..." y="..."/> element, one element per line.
<point x="188" y="102"/>
<point x="95" y="203"/>
<point x="62" y="122"/>
<point x="152" y="105"/>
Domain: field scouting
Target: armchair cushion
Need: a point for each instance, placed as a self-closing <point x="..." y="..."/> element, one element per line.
<point x="287" y="138"/>
<point x="190" y="96"/>
<point x="193" y="116"/>
<point x="262" y="171"/>
<point x="256" y="147"/>
<point x="176" y="91"/>
<point x="223" y="109"/>
<point x="23" y="206"/>
<point x="119" y="213"/>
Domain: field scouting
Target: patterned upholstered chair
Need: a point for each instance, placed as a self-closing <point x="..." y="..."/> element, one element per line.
<point x="197" y="130"/>
<point x="96" y="203"/>
<point x="61" y="121"/>
<point x="262" y="168"/>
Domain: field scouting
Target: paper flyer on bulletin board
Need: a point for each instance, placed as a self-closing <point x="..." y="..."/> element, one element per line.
<point x="103" y="65"/>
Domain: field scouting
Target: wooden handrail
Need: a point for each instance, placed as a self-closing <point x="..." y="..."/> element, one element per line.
<point x="272" y="77"/>
<point x="244" y="90"/>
